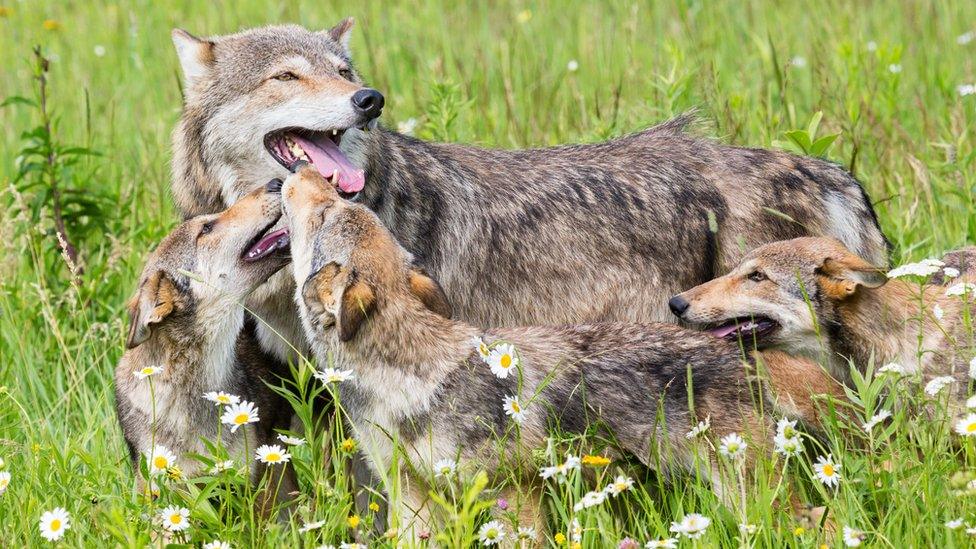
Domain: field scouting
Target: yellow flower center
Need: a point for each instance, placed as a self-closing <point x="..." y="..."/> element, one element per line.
<point x="4" y="482"/>
<point x="176" y="518"/>
<point x="222" y="399"/>
<point x="273" y="456"/>
<point x="828" y="470"/>
<point x="160" y="462"/>
<point x="241" y="419"/>
<point x="515" y="407"/>
<point x="147" y="371"/>
<point x="799" y="531"/>
<point x="506" y="361"/>
<point x="55" y="525"/>
<point x="971" y="428"/>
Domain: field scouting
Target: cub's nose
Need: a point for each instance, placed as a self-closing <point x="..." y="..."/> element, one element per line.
<point x="274" y="186"/>
<point x="368" y="102"/>
<point x="678" y="305"/>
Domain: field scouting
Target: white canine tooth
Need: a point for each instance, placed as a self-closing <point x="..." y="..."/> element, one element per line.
<point x="335" y="132"/>
<point x="335" y="177"/>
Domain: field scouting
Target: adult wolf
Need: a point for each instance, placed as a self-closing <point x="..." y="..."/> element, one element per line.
<point x="536" y="236"/>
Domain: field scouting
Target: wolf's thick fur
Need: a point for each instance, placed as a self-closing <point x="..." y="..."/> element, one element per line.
<point x="420" y="384"/>
<point x="605" y="231"/>
<point x="834" y="307"/>
<point x="195" y="329"/>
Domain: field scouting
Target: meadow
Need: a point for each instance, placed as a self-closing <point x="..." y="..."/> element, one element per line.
<point x="886" y="89"/>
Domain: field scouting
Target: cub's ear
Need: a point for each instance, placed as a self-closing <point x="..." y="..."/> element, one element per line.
<point x="358" y="302"/>
<point x="317" y="295"/>
<point x="429" y="292"/>
<point x="196" y="56"/>
<point x="154" y="301"/>
<point x="341" y="32"/>
<point x="840" y="278"/>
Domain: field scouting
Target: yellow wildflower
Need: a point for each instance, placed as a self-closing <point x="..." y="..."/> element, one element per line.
<point x="353" y="521"/>
<point x="596" y="461"/>
<point x="560" y="538"/>
<point x="348" y="445"/>
<point x="51" y="25"/>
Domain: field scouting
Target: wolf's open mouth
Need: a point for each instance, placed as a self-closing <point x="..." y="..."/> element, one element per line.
<point x="320" y="149"/>
<point x="756" y="327"/>
<point x="266" y="242"/>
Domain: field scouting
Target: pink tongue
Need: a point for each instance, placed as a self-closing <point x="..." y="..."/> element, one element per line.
<point x="723" y="331"/>
<point x="327" y="158"/>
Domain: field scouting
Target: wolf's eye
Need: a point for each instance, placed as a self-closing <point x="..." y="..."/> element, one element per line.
<point x="757" y="276"/>
<point x="346" y="73"/>
<point x="286" y="76"/>
<point x="206" y="228"/>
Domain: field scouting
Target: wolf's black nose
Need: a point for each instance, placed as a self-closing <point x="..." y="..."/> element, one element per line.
<point x="368" y="102"/>
<point x="678" y="305"/>
<point x="274" y="186"/>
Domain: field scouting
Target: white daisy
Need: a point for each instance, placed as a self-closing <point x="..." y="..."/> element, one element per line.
<point x="926" y="267"/>
<point x="872" y="46"/>
<point x="291" y="441"/>
<point x="937" y="312"/>
<point x="971" y="402"/>
<point x="732" y="446"/>
<point x="334" y="375"/>
<point x="965" y="38"/>
<point x="892" y="368"/>
<point x="222" y="466"/>
<point x="445" y="468"/>
<point x="876" y="419"/>
<point x="961" y="289"/>
<point x="663" y="543"/>
<point x="175" y="518"/>
<point x="160" y="459"/>
<point x="894" y="68"/>
<point x="408" y="126"/>
<point x="4" y="481"/>
<point x="221" y="398"/>
<point x="572" y="65"/>
<point x="503" y="360"/>
<point x="966" y="89"/>
<point x="147" y="371"/>
<point x="576" y="531"/>
<point x="700" y="428"/>
<point x="788" y="446"/>
<point x="747" y="529"/>
<point x="216" y="544"/>
<point x="525" y="533"/>
<point x="491" y="533"/>
<point x="514" y="409"/>
<point x="239" y="414"/>
<point x="53" y="523"/>
<point x="692" y="525"/>
<point x="954" y="524"/>
<point x="827" y="471"/>
<point x="972" y="368"/>
<point x="967" y="426"/>
<point x="852" y="537"/>
<point x="798" y="62"/>
<point x="950" y="272"/>
<point x="619" y="485"/>
<point x="971" y="530"/>
<point x="932" y="388"/>
<point x="271" y="454"/>
<point x="484" y="351"/>
<point x="590" y="499"/>
<point x="787" y="428"/>
<point x="309" y="526"/>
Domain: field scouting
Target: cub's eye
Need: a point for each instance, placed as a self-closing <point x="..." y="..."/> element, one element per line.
<point x="206" y="228"/>
<point x="346" y="73"/>
<point x="286" y="76"/>
<point x="757" y="276"/>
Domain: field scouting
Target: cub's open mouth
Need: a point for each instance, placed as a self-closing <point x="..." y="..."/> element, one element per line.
<point x="320" y="149"/>
<point x="268" y="241"/>
<point x="744" y="327"/>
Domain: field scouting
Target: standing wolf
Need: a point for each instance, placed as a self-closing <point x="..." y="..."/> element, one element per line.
<point x="607" y="231"/>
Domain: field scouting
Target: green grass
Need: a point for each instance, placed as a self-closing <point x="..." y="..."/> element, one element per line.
<point x="494" y="73"/>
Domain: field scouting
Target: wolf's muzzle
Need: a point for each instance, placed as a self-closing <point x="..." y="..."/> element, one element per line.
<point x="368" y="103"/>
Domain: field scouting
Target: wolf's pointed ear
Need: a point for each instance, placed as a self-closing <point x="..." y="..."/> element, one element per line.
<point x="196" y="56"/>
<point x="840" y="278"/>
<point x="317" y="295"/>
<point x="429" y="292"/>
<point x="358" y="302"/>
<point x="340" y="33"/>
<point x="153" y="302"/>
